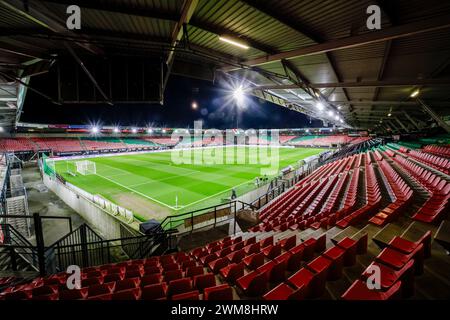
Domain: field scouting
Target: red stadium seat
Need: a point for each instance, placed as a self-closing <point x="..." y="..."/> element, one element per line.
<point x="151" y="279"/>
<point x="272" y="251"/>
<point x="179" y="286"/>
<point x="222" y="292"/>
<point x="193" y="295"/>
<point x="44" y="290"/>
<point x="407" y="247"/>
<point x="172" y="275"/>
<point x="128" y="284"/>
<point x="73" y="294"/>
<point x="390" y="276"/>
<point x="288" y="243"/>
<point x="218" y="264"/>
<point x="232" y="272"/>
<point x="110" y="278"/>
<point x="92" y="281"/>
<point x="336" y="255"/>
<point x="397" y="260"/>
<point x="194" y="271"/>
<point x="154" y="291"/>
<point x="360" y="291"/>
<point x="101" y="289"/>
<point x="350" y="247"/>
<point x="204" y="281"/>
<point x="303" y="279"/>
<point x="254" y="261"/>
<point x="253" y="284"/>
<point x="129" y="294"/>
<point x="285" y="292"/>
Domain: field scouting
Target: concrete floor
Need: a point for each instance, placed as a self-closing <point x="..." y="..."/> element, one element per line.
<point x="46" y="203"/>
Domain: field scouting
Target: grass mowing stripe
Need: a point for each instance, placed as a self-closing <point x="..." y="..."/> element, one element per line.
<point x="155" y="177"/>
<point x="134" y="191"/>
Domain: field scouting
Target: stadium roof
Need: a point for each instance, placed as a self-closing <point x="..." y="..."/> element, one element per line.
<point x="298" y="51"/>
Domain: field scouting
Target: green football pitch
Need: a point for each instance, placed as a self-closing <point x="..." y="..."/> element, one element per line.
<point x="152" y="185"/>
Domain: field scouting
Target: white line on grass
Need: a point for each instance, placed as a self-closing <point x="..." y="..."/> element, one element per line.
<point x="163" y="179"/>
<point x="216" y="194"/>
<point x="134" y="191"/>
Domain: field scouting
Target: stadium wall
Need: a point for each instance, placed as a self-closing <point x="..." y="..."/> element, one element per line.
<point x="107" y="225"/>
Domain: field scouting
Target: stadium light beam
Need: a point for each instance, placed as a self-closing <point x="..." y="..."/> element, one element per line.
<point x="238" y="94"/>
<point x="233" y="42"/>
<point x="320" y="106"/>
<point x="94" y="130"/>
<point x="116" y="130"/>
<point x="2" y="130"/>
<point x="134" y="130"/>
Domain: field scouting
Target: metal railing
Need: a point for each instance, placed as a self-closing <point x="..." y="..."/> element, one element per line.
<point x="83" y="247"/>
<point x="18" y="245"/>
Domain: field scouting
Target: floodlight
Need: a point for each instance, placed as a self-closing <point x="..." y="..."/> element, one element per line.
<point x="389" y="114"/>
<point x="1" y="129"/>
<point x="415" y="93"/>
<point x="116" y="130"/>
<point x="319" y="105"/>
<point x="330" y="113"/>
<point x="94" y="130"/>
<point x="149" y="130"/>
<point x="134" y="130"/>
<point x="238" y="94"/>
<point x="194" y="105"/>
<point x="233" y="42"/>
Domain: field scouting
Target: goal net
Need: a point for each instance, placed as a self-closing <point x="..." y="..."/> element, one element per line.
<point x="86" y="167"/>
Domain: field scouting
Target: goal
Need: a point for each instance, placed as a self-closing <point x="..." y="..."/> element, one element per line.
<point x="86" y="167"/>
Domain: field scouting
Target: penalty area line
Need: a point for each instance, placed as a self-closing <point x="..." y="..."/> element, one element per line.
<point x="135" y="191"/>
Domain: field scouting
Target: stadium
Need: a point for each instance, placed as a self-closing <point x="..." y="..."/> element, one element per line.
<point x="224" y="150"/>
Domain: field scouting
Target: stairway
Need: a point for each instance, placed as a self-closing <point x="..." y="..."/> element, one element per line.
<point x="6" y="263"/>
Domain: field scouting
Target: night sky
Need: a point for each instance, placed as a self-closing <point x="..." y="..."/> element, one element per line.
<point x="215" y="107"/>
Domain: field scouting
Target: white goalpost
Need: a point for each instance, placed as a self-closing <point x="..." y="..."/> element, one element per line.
<point x="86" y="167"/>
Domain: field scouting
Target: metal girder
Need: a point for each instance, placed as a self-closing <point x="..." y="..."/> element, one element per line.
<point x="435" y="116"/>
<point x="401" y="124"/>
<point x="177" y="33"/>
<point x="88" y="73"/>
<point x="120" y="7"/>
<point x="386" y="34"/>
<point x="415" y="124"/>
<point x="380" y="102"/>
<point x="29" y="87"/>
<point x="299" y="27"/>
<point x="294" y="24"/>
<point x="40" y="15"/>
<point x="393" y="126"/>
<point x="154" y="14"/>
<point x="368" y="84"/>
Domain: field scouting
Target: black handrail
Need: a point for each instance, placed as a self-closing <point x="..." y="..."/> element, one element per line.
<point x="15" y="240"/>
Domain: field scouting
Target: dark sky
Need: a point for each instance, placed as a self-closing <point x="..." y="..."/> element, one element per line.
<point x="215" y="108"/>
